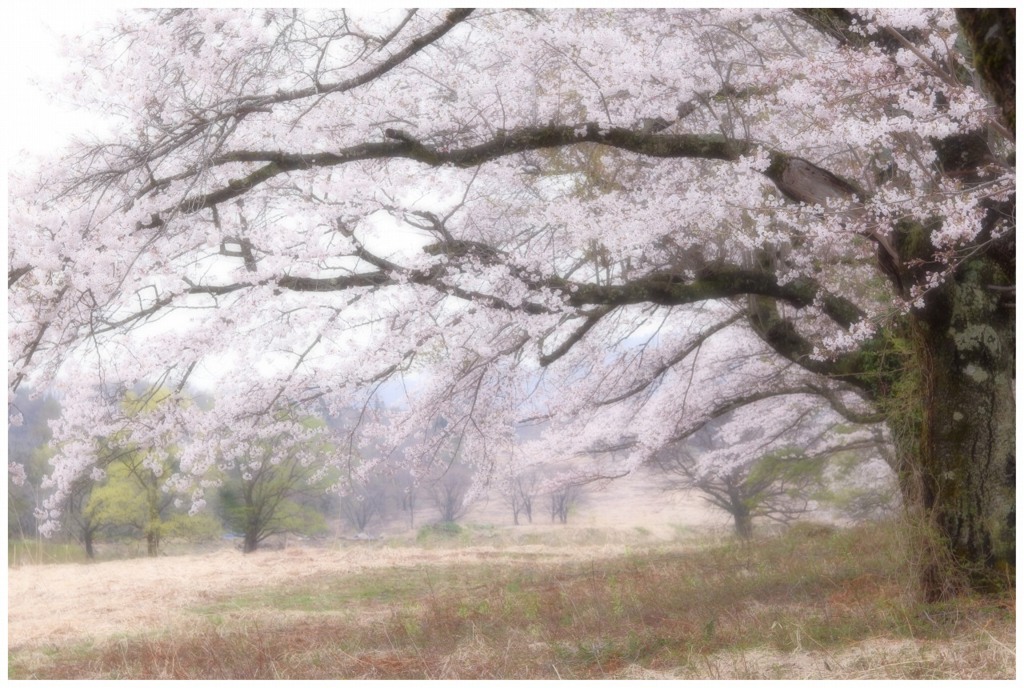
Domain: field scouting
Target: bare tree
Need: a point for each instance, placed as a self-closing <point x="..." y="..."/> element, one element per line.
<point x="404" y="492"/>
<point x="519" y="493"/>
<point x="449" y="494"/>
<point x="366" y="503"/>
<point x="563" y="499"/>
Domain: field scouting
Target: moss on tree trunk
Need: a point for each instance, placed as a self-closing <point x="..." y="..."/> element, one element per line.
<point x="954" y="426"/>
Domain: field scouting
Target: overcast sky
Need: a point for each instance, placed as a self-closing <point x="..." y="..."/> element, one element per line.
<point x="34" y="121"/>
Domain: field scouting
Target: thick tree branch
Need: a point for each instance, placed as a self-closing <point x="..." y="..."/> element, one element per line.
<point x="16" y="274"/>
<point x="402" y="145"/>
<point x="838" y="24"/>
<point x="781" y="335"/>
<point x="992" y="34"/>
<point x="843" y="409"/>
<point x="592" y="319"/>
<point x="662" y="289"/>
<point x="710" y="283"/>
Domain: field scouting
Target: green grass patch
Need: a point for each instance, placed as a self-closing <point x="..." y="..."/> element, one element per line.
<point x="32" y="552"/>
<point x="332" y="594"/>
<point x="444" y="530"/>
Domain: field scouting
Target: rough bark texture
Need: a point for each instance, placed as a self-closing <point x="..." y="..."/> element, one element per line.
<point x="967" y="449"/>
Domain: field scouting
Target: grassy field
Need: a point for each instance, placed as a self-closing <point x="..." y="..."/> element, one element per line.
<point x="813" y="603"/>
<point x="42" y="551"/>
<point x="32" y="552"/>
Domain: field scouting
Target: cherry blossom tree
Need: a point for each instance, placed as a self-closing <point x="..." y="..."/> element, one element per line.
<point x="776" y="474"/>
<point x="262" y="485"/>
<point x="625" y="223"/>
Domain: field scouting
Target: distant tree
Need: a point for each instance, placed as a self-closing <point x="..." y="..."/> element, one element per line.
<point x="862" y="490"/>
<point x="81" y="516"/>
<point x="28" y="454"/>
<point x="406" y="495"/>
<point x="749" y="473"/>
<point x="132" y="500"/>
<point x="135" y="496"/>
<point x="519" y="492"/>
<point x="776" y="487"/>
<point x="137" y="466"/>
<point x="449" y="494"/>
<point x="262" y="491"/>
<point x="364" y="504"/>
<point x="563" y="499"/>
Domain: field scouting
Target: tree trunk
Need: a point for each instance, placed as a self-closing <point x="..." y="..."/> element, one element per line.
<point x="152" y="543"/>
<point x="742" y="519"/>
<point x="744" y="524"/>
<point x="966" y="464"/>
<point x="952" y="416"/>
<point x="250" y="543"/>
<point x="153" y="527"/>
<point x="90" y="552"/>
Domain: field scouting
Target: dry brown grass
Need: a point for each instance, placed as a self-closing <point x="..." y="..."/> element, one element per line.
<point x="808" y="605"/>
